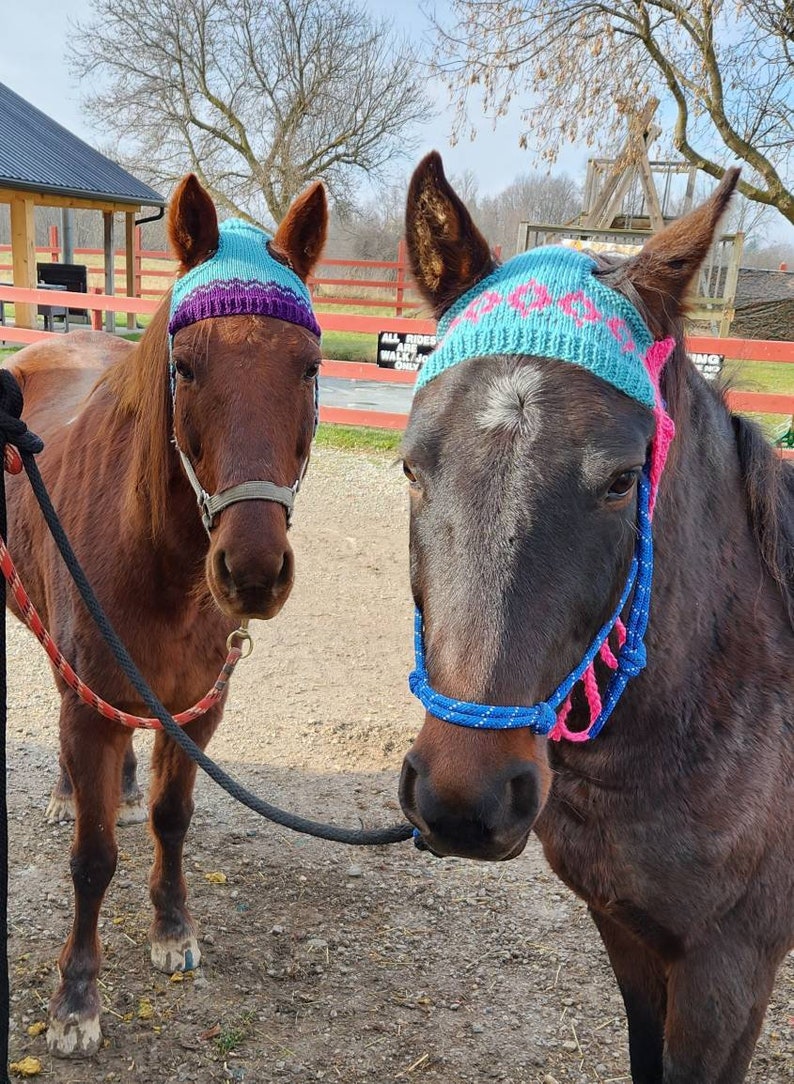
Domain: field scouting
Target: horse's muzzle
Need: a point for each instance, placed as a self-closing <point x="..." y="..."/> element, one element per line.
<point x="491" y="822"/>
<point x="250" y="565"/>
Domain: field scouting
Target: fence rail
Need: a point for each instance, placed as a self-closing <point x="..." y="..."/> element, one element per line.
<point x="739" y="350"/>
<point x="383" y="284"/>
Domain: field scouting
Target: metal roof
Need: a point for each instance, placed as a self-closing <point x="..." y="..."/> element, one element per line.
<point x="39" y="155"/>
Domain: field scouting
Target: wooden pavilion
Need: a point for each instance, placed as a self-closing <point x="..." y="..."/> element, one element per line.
<point x="44" y="165"/>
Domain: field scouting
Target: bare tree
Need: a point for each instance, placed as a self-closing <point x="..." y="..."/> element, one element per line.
<point x="723" y="69"/>
<point x="257" y="98"/>
<point x="551" y="200"/>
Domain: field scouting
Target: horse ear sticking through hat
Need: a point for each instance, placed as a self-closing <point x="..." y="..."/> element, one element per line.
<point x="602" y="560"/>
<point x="215" y="407"/>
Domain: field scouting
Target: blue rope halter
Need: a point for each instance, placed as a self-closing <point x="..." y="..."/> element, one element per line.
<point x="541" y="718"/>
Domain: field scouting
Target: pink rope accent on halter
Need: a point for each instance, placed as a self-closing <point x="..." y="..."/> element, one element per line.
<point x="620" y="632"/>
<point x="607" y="656"/>
<point x="655" y="361"/>
<point x="591" y="692"/>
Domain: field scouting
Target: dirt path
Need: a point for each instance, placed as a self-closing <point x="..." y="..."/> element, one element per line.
<point x="322" y="963"/>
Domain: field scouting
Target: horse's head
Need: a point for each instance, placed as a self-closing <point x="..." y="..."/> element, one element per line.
<point x="245" y="354"/>
<point x="524" y="452"/>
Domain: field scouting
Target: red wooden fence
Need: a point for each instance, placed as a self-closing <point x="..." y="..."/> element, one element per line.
<point x="733" y="349"/>
<point x="376" y="284"/>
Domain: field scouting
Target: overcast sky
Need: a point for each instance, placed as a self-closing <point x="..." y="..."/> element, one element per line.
<point x="33" y="64"/>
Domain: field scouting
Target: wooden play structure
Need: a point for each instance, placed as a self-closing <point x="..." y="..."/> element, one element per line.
<point x="627" y="198"/>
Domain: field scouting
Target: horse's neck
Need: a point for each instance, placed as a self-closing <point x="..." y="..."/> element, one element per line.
<point x="158" y="507"/>
<point x="714" y="604"/>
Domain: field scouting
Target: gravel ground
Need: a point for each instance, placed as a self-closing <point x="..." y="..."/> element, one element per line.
<point x="320" y="962"/>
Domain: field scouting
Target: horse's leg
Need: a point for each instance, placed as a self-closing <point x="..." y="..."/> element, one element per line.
<point x="717" y="997"/>
<point x="133" y="807"/>
<point x="131" y="811"/>
<point x="61" y="804"/>
<point x="173" y="933"/>
<point x="92" y="751"/>
<point x="642" y="983"/>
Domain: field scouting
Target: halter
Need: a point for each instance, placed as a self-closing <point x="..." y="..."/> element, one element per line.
<point x="240" y="278"/>
<point x="548" y="303"/>
<point x="548" y="717"/>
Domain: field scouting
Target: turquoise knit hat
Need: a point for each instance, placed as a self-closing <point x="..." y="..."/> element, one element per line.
<point x="241" y="278"/>
<point x="548" y="303"/>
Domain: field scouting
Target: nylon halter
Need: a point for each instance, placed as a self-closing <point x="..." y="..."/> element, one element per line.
<point x="548" y="718"/>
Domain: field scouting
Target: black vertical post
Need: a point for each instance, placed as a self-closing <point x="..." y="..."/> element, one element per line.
<point x="5" y="999"/>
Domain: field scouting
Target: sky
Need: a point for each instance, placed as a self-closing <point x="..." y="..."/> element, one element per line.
<point x="34" y="65"/>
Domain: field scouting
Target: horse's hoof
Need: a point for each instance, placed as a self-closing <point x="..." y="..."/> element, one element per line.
<point x="60" y="808"/>
<point x="74" y="1037"/>
<point x="133" y="811"/>
<point x="179" y="954"/>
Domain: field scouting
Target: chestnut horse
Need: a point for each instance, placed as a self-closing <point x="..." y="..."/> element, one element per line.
<point x="531" y="479"/>
<point x="236" y="393"/>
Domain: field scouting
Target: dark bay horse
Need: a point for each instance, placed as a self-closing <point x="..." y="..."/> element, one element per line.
<point x="228" y="378"/>
<point x="532" y="484"/>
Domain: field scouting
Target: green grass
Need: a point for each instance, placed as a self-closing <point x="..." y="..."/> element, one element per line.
<point x="233" y="1033"/>
<point x="349" y="346"/>
<point x="354" y="438"/>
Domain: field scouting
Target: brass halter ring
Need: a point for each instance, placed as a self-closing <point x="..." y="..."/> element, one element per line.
<point x="244" y="636"/>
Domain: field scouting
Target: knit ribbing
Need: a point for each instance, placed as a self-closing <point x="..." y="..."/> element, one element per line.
<point x="548" y="303"/>
<point x="241" y="278"/>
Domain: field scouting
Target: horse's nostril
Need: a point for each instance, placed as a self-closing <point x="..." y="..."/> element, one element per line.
<point x="524" y="794"/>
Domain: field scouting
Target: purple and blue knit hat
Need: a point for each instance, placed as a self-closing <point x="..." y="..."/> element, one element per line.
<point x="548" y="303"/>
<point x="241" y="279"/>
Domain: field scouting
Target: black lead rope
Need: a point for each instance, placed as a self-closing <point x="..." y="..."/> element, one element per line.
<point x="5" y="999"/>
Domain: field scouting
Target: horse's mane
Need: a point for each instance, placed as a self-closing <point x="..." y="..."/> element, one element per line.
<point x="767" y="479"/>
<point x="139" y="386"/>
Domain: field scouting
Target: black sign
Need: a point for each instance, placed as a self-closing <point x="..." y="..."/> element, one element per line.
<point x="709" y="365"/>
<point x="404" y="350"/>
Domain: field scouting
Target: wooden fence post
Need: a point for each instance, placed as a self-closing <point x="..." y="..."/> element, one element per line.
<point x="96" y="314"/>
<point x="137" y="261"/>
<point x="55" y="247"/>
<point x="402" y="264"/>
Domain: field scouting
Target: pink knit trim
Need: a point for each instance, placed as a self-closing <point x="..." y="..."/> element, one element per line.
<point x="655" y="361"/>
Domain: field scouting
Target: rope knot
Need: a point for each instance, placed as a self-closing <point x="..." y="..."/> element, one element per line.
<point x="633" y="659"/>
<point x="12" y="429"/>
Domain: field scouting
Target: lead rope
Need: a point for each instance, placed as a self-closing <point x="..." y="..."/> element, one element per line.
<point x="4" y="980"/>
<point x="14" y="430"/>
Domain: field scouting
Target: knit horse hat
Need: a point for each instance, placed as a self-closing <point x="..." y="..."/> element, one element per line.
<point x="549" y="303"/>
<point x="241" y="278"/>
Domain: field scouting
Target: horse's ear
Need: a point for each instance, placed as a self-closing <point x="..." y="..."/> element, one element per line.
<point x="301" y="236"/>
<point x="192" y="223"/>
<point x="447" y="253"/>
<point x="664" y="270"/>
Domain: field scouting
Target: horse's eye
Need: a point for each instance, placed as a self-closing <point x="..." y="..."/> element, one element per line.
<point x="311" y="371"/>
<point x="183" y="370"/>
<point x="622" y="485"/>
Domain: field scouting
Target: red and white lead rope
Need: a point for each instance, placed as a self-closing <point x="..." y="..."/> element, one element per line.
<point x="13" y="464"/>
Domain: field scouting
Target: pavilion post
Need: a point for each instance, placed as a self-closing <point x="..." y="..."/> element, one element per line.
<point x="110" y="260"/>
<point x="23" y="255"/>
<point x="129" y="263"/>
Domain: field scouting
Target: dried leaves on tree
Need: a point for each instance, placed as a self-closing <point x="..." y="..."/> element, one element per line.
<point x="723" y="69"/>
